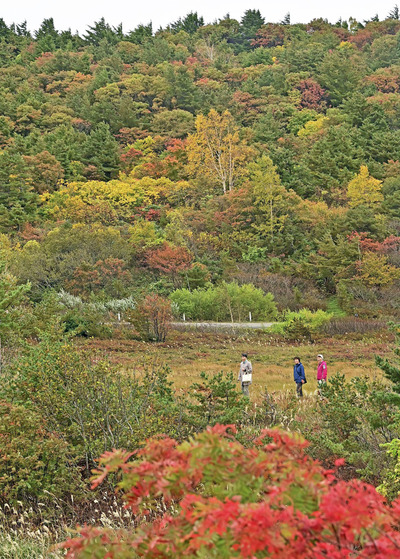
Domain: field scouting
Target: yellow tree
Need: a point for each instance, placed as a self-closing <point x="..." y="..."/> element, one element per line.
<point x="364" y="189"/>
<point x="216" y="150"/>
<point x="374" y="270"/>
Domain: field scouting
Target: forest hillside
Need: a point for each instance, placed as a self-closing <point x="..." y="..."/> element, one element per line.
<point x="240" y="152"/>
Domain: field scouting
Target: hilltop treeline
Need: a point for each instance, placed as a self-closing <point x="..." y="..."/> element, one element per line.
<point x="239" y="151"/>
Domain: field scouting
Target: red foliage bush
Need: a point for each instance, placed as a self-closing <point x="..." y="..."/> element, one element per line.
<point x="312" y="94"/>
<point x="387" y="246"/>
<point x="169" y="260"/>
<point x="156" y="315"/>
<point x="212" y="497"/>
<point x="87" y="277"/>
<point x="270" y="35"/>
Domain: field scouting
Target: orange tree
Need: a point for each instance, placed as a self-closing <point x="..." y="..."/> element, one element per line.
<point x="169" y="260"/>
<point x="212" y="497"/>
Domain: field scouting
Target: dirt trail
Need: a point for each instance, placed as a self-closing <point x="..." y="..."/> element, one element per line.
<point x="224" y="325"/>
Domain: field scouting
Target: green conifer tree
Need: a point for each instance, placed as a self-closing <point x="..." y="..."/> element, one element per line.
<point x="101" y="150"/>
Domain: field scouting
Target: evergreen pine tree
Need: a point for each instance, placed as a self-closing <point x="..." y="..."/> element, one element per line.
<point x="101" y="150"/>
<point x="101" y="30"/>
<point x="394" y="13"/>
<point x="251" y="22"/>
<point x="392" y="370"/>
<point x="18" y="202"/>
<point x="190" y="23"/>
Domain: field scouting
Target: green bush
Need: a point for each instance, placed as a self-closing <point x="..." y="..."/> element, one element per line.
<point x="215" y="400"/>
<point x="87" y="322"/>
<point x="93" y="405"/>
<point x="78" y="318"/>
<point x="352" y="420"/>
<point x="301" y="324"/>
<point x="35" y="464"/>
<point x="228" y="301"/>
<point x="390" y="486"/>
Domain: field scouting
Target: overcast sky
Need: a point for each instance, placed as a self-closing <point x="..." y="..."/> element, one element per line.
<point x="78" y="14"/>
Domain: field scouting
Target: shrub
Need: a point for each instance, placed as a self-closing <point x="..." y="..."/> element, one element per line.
<point x="352" y="420"/>
<point x="228" y="301"/>
<point x="391" y="369"/>
<point x="197" y="304"/>
<point x="85" y="319"/>
<point x="215" y="400"/>
<point x="87" y="322"/>
<point x="297" y="329"/>
<point x="35" y="464"/>
<point x="94" y="406"/>
<point x="152" y="318"/>
<point x="231" y="501"/>
<point x="390" y="486"/>
<point x="301" y="324"/>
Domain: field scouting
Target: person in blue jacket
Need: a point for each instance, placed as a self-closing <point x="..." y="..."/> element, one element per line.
<point x="299" y="376"/>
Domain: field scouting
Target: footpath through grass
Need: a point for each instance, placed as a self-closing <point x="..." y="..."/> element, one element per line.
<point x="187" y="354"/>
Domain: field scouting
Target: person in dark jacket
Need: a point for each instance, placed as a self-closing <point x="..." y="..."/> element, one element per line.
<point x="299" y="376"/>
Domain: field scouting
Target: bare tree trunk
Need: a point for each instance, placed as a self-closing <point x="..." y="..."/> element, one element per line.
<point x="272" y="220"/>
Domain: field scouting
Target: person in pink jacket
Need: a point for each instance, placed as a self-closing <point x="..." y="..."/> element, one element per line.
<point x="322" y="370"/>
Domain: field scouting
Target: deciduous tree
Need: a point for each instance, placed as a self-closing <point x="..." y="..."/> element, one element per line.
<point x="169" y="260"/>
<point x="364" y="189"/>
<point x="45" y="171"/>
<point x="216" y="149"/>
<point x="374" y="270"/>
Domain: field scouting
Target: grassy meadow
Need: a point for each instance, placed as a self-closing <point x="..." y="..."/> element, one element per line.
<point x="189" y="353"/>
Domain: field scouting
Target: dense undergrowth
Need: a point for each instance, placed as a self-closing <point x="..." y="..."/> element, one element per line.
<point x="62" y="406"/>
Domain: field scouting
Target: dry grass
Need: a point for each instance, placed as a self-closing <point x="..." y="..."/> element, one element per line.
<point x="189" y="353"/>
<point x="21" y="539"/>
<point x="27" y="534"/>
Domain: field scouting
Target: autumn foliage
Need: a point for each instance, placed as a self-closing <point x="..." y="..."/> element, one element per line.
<point x="212" y="497"/>
<point x="169" y="260"/>
<point x="226" y="171"/>
<point x="152" y="317"/>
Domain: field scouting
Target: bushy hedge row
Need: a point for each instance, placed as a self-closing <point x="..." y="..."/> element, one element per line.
<point x="228" y="301"/>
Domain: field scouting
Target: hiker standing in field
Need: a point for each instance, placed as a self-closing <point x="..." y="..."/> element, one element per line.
<point x="299" y="376"/>
<point x="322" y="370"/>
<point x="245" y="374"/>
